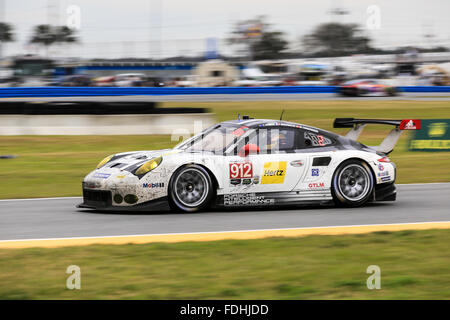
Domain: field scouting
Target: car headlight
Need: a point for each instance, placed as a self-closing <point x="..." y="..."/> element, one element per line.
<point x="105" y="161"/>
<point x="148" y="166"/>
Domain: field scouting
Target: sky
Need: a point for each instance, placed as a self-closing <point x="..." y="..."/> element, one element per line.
<point x="161" y="28"/>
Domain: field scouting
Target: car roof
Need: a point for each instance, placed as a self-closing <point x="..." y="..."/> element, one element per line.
<point x="253" y="123"/>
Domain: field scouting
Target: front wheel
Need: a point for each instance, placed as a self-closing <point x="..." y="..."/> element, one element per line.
<point x="190" y="189"/>
<point x="352" y="184"/>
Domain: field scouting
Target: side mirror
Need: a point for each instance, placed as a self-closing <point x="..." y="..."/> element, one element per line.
<point x="250" y="148"/>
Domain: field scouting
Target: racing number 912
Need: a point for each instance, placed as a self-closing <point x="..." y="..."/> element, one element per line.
<point x="241" y="170"/>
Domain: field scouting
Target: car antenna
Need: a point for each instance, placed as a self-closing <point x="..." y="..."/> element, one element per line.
<point x="281" y="116"/>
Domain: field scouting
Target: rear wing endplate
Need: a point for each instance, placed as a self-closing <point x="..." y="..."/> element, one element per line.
<point x="388" y="144"/>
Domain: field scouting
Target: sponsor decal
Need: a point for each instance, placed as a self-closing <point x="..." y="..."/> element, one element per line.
<point x="314" y="185"/>
<point x="153" y="185"/>
<point x="387" y="178"/>
<point x="274" y="172"/>
<point x="296" y="163"/>
<point x="101" y="175"/>
<point x="410" y="124"/>
<point x="315" y="172"/>
<point x="246" y="181"/>
<point x="246" y="199"/>
<point x="120" y="177"/>
<point x="235" y="182"/>
<point x="317" y="140"/>
<point x="380" y="167"/>
<point x="240" y="170"/>
<point x="383" y="174"/>
<point x="255" y="180"/>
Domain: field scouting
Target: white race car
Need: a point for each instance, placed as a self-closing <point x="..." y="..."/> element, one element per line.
<point x="250" y="162"/>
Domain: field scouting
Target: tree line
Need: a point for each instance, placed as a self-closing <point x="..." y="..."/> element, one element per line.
<point x="257" y="38"/>
<point x="44" y="35"/>
<point x="325" y="40"/>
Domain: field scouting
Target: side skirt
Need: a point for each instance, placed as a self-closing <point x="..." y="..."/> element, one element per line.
<point x="264" y="199"/>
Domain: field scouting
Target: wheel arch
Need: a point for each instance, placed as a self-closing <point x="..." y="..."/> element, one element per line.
<point x="362" y="160"/>
<point x="358" y="159"/>
<point x="211" y="174"/>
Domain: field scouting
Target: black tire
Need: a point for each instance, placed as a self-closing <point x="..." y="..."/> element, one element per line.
<point x="191" y="189"/>
<point x="352" y="184"/>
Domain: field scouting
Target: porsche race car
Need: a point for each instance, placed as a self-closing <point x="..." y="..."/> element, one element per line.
<point x="366" y="87"/>
<point x="250" y="163"/>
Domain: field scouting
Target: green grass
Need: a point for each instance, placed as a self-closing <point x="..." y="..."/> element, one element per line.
<point x="414" y="265"/>
<point x="49" y="166"/>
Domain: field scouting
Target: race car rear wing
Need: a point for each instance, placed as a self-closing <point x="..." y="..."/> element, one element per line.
<point x="388" y="144"/>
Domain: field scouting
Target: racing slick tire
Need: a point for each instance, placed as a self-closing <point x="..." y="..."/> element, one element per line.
<point x="352" y="184"/>
<point x="190" y="189"/>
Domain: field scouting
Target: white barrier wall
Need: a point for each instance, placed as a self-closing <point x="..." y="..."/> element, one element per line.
<point x="103" y="124"/>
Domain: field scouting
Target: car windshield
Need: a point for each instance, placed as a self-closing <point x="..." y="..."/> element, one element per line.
<point x="214" y="140"/>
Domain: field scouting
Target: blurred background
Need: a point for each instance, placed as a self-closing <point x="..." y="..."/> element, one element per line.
<point x="234" y="43"/>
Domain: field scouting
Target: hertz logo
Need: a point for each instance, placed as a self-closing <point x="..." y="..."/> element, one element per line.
<point x="274" y="172"/>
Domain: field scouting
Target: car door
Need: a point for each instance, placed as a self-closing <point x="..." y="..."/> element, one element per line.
<point x="320" y="149"/>
<point x="270" y="165"/>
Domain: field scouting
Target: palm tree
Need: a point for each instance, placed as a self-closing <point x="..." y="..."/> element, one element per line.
<point x="47" y="35"/>
<point x="6" y="35"/>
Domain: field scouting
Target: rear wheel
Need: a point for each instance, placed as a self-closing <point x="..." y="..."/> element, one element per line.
<point x="191" y="189"/>
<point x="352" y="183"/>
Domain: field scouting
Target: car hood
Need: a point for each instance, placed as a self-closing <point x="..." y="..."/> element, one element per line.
<point x="126" y="159"/>
<point x="127" y="163"/>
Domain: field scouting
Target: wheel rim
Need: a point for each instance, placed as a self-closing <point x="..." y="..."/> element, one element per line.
<point x="354" y="182"/>
<point x="191" y="187"/>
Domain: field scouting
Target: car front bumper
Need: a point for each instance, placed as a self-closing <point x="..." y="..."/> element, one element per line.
<point x="102" y="200"/>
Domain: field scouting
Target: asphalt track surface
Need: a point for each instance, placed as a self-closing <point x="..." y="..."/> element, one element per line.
<point x="59" y="218"/>
<point x="419" y="96"/>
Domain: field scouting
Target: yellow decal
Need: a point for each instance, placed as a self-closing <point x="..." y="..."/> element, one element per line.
<point x="430" y="144"/>
<point x="120" y="177"/>
<point x="437" y="129"/>
<point x="274" y="172"/>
